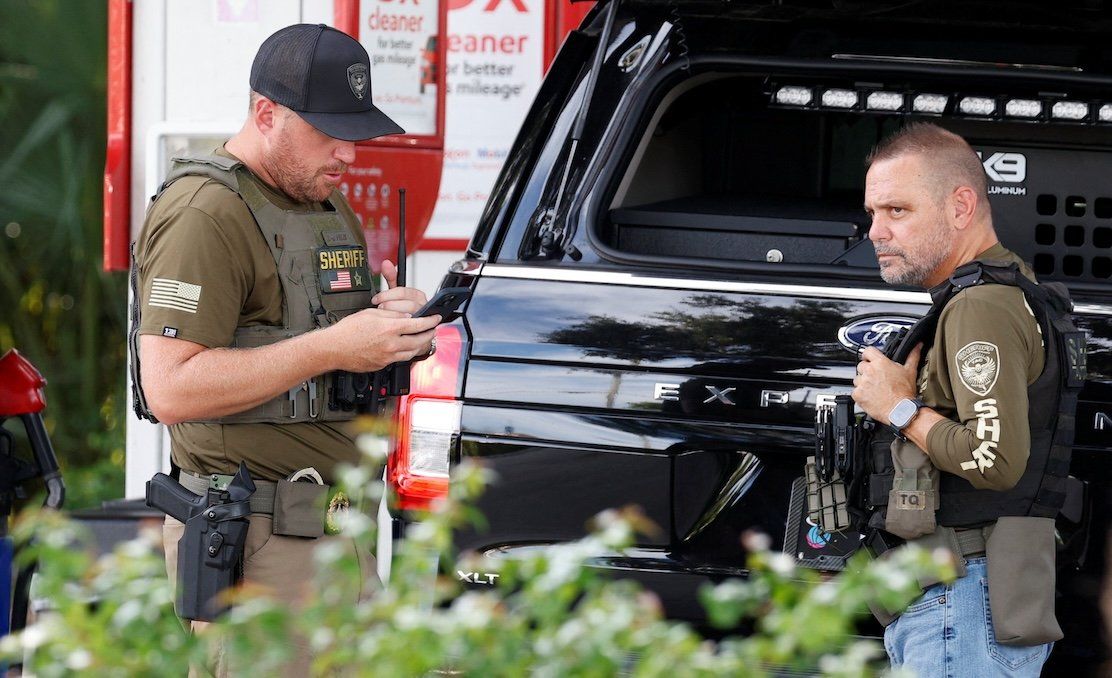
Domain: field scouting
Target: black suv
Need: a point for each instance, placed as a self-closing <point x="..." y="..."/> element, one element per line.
<point x="674" y="268"/>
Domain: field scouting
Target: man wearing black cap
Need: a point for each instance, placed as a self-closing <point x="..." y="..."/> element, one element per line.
<point x="253" y="295"/>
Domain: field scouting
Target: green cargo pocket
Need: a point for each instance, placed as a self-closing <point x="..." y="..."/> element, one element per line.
<point x="299" y="509"/>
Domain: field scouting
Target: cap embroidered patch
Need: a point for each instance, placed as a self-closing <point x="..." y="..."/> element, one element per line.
<point x="978" y="365"/>
<point x="357" y="80"/>
<point x="175" y="294"/>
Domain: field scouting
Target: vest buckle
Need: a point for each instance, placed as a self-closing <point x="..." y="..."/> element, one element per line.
<point x="960" y="280"/>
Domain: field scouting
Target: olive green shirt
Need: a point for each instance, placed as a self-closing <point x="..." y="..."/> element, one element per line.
<point x="988" y="349"/>
<point x="205" y="269"/>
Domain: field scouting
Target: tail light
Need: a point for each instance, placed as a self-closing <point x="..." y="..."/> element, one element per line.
<point x="428" y="424"/>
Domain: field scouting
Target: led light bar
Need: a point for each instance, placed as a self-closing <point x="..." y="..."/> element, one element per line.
<point x="792" y="95"/>
<point x="1069" y="110"/>
<point x="839" y="98"/>
<point x="977" y="105"/>
<point x="927" y="103"/>
<point x="930" y="103"/>
<point x="1022" y="108"/>
<point x="885" y="101"/>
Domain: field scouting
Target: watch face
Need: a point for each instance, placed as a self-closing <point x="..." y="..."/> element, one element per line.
<point x="903" y="412"/>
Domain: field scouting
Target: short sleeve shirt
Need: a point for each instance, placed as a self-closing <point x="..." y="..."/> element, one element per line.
<point x="204" y="269"/>
<point x="988" y="349"/>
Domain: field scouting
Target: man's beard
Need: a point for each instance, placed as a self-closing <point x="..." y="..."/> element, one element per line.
<point x="917" y="268"/>
<point x="294" y="178"/>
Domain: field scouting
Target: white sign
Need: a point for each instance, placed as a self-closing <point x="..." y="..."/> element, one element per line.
<point x="495" y="66"/>
<point x="400" y="36"/>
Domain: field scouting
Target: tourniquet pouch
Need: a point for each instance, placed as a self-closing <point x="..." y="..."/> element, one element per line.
<point x="913" y="498"/>
<point x="299" y="509"/>
<point x="1020" y="552"/>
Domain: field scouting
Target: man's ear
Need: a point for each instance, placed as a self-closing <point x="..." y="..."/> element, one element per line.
<point x="265" y="114"/>
<point x="962" y="207"/>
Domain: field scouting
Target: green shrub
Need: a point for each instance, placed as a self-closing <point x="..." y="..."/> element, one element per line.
<point x="547" y="615"/>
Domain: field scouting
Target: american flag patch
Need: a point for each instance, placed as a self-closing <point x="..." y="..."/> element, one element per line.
<point x="175" y="294"/>
<point x="342" y="281"/>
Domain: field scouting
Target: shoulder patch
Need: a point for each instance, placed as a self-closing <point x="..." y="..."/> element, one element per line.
<point x="175" y="294"/>
<point x="978" y="364"/>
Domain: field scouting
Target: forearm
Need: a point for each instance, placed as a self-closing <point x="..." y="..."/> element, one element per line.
<point x="222" y="381"/>
<point x="920" y="427"/>
<point x="986" y="463"/>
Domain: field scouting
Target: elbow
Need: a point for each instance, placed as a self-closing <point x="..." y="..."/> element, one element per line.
<point x="163" y="408"/>
<point x="162" y="403"/>
<point x="996" y="479"/>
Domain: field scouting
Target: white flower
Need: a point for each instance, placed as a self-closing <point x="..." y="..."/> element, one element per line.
<point x="128" y="612"/>
<point x="374" y="447"/>
<point x="782" y="564"/>
<point x="329" y="552"/>
<point x="755" y="541"/>
<point x="321" y="638"/>
<point x="473" y="610"/>
<point x="34" y="635"/>
<point x="825" y="593"/>
<point x="79" y="659"/>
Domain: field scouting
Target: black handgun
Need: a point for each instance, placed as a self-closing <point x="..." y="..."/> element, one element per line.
<point x="210" y="552"/>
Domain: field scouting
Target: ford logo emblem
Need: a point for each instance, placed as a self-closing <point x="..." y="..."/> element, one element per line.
<point x="872" y="331"/>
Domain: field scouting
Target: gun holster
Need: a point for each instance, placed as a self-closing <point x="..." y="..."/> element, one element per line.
<point x="210" y="552"/>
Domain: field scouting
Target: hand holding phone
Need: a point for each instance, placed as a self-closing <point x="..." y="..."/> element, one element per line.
<point x="445" y="303"/>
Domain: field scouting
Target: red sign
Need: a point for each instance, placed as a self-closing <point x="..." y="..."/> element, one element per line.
<point x="371" y="186"/>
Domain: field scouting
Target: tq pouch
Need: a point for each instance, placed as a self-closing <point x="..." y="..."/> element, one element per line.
<point x="299" y="508"/>
<point x="913" y="499"/>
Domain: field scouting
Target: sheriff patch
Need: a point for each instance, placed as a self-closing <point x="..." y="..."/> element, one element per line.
<point x="343" y="269"/>
<point x="978" y="365"/>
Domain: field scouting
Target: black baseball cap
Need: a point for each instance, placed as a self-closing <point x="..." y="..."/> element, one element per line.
<point x="323" y="75"/>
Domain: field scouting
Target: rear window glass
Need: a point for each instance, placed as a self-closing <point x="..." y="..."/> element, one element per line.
<point x="722" y="173"/>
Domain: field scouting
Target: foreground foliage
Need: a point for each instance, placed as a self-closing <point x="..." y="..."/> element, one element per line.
<point x="547" y="615"/>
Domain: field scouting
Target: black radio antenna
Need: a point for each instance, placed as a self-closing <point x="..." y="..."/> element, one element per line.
<point x="400" y="376"/>
<point x="401" y="237"/>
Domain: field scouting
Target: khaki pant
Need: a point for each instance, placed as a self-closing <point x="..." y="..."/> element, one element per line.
<point x="280" y="565"/>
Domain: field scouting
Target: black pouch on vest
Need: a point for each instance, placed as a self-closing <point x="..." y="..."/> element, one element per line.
<point x="1020" y="553"/>
<point x="299" y="509"/>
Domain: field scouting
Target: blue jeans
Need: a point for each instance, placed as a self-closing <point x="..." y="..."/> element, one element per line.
<point x="947" y="632"/>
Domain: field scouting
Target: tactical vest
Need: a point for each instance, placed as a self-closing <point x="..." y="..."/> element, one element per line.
<point x="315" y="293"/>
<point x="1041" y="490"/>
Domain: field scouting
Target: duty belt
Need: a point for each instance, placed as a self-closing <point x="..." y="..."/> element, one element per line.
<point x="970" y="542"/>
<point x="262" y="501"/>
<point x="965" y="543"/>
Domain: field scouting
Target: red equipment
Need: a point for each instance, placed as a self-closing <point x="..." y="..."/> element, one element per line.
<point x="21" y="395"/>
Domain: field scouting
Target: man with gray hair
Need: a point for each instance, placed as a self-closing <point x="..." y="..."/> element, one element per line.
<point x="969" y="458"/>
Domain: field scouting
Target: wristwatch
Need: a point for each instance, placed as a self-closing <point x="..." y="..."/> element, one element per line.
<point x="902" y="414"/>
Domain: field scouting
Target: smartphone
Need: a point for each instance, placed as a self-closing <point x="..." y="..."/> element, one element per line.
<point x="445" y="303"/>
